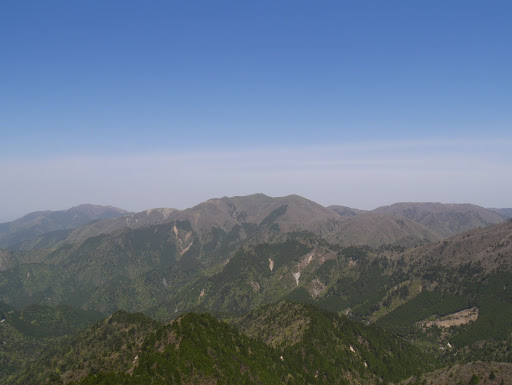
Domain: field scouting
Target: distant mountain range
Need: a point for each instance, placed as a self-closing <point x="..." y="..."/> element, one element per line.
<point x="505" y="212"/>
<point x="227" y="254"/>
<point x="37" y="223"/>
<point x="5" y="259"/>
<point x="445" y="219"/>
<point x="376" y="229"/>
<point x="426" y="221"/>
<point x="252" y="260"/>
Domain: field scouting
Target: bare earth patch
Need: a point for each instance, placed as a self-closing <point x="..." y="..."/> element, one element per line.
<point x="462" y="373"/>
<point x="316" y="287"/>
<point x="456" y="319"/>
<point x="255" y="285"/>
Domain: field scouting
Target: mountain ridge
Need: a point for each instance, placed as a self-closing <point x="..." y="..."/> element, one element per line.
<point x="445" y="219"/>
<point x="37" y="223"/>
<point x="230" y="256"/>
<point x="299" y="214"/>
<point x="198" y="348"/>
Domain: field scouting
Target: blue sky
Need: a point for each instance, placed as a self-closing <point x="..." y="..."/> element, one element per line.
<point x="119" y="82"/>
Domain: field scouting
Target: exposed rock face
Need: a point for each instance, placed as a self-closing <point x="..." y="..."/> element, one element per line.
<point x="255" y="285"/>
<point x="296" y="276"/>
<point x="316" y="288"/>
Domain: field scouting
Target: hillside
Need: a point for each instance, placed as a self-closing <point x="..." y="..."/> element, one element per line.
<point x="238" y="218"/>
<point x="197" y="348"/>
<point x="138" y="269"/>
<point x="445" y="219"/>
<point x="241" y="214"/>
<point x="333" y="345"/>
<point x="139" y="220"/>
<point x="290" y="213"/>
<point x="109" y="344"/>
<point x="376" y="229"/>
<point x="242" y="259"/>
<point x="104" y="272"/>
<point x="168" y="269"/>
<point x="26" y="333"/>
<point x="490" y="373"/>
<point x="468" y="272"/>
<point x="5" y="259"/>
<point x="490" y="248"/>
<point x="339" y="224"/>
<point x="37" y="223"/>
<point x="505" y="212"/>
<point x="345" y="211"/>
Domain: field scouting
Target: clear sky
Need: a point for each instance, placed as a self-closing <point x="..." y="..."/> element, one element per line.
<point x="144" y="104"/>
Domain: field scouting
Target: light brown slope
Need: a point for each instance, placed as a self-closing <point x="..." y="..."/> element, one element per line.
<point x="376" y="229"/>
<point x="444" y="219"/>
<point x="291" y="213"/>
<point x="507" y="213"/>
<point x="35" y="224"/>
<point x="346" y="211"/>
<point x="5" y="260"/>
<point x="491" y="246"/>
<point x="223" y="213"/>
<point x="133" y="221"/>
<point x="463" y="373"/>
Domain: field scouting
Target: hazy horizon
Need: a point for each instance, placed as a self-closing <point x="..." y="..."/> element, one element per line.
<point x="231" y="196"/>
<point x="358" y="175"/>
